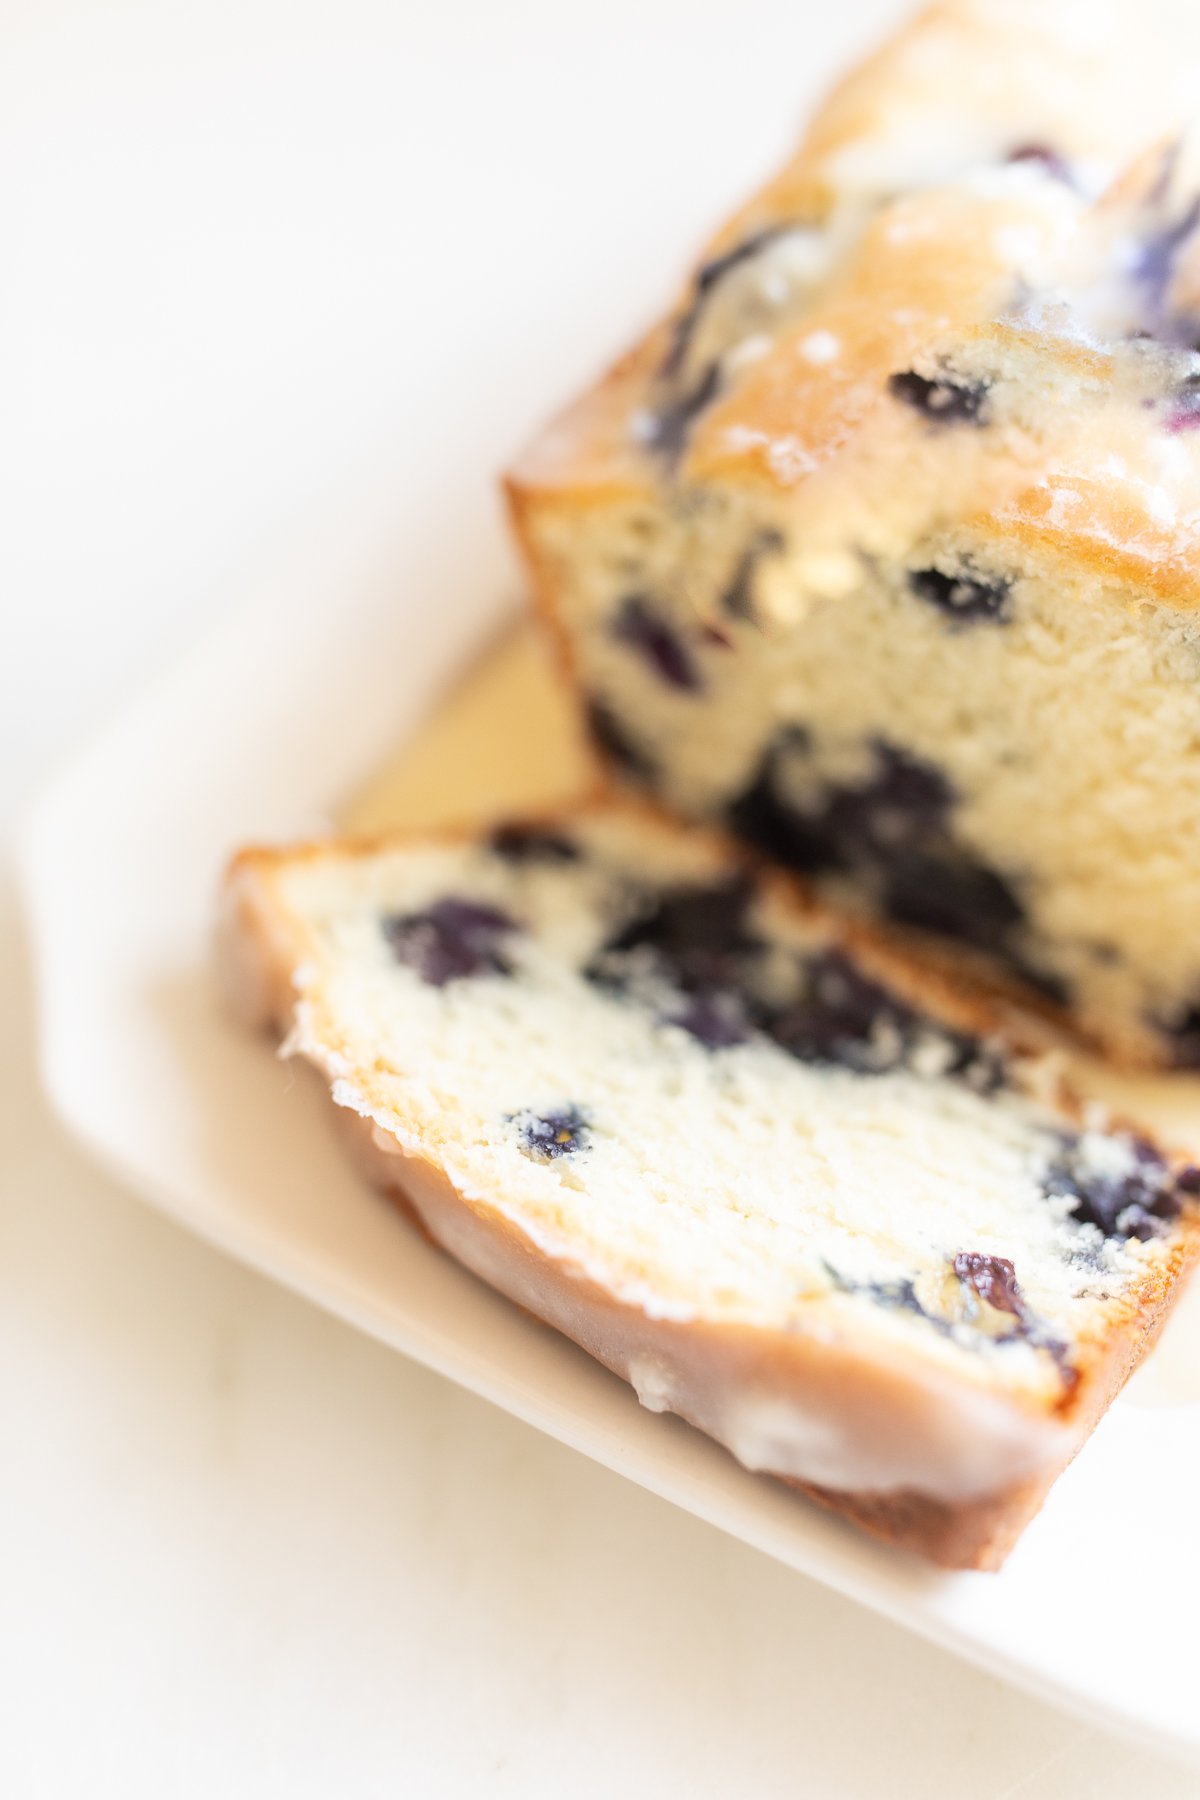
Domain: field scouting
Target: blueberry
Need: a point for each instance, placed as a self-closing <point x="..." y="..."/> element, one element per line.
<point x="698" y="943"/>
<point x="967" y="595"/>
<point x="992" y="1278"/>
<point x="1045" y="157"/>
<point x="694" y="941"/>
<point x="943" y="399"/>
<point x="671" y="422"/>
<point x="904" y="792"/>
<point x="902" y="799"/>
<point x="1182" y="1030"/>
<point x="738" y="598"/>
<point x="612" y="739"/>
<point x="765" y="819"/>
<point x="533" y="844"/>
<point x="944" y="889"/>
<point x="844" y="1017"/>
<point x="450" y="939"/>
<point x="1137" y="1203"/>
<point x="709" y="275"/>
<point x="715" y="1017"/>
<point x="892" y="831"/>
<point x="686" y="398"/>
<point x="694" y="935"/>
<point x="547" y="1136"/>
<point x="639" y="625"/>
<point x="847" y="1018"/>
<point x="899" y="1295"/>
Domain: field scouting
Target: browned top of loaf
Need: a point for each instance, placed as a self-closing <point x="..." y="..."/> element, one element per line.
<point x="933" y="275"/>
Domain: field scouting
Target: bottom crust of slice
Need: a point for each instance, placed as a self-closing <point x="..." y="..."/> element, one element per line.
<point x="975" y="1532"/>
<point x="976" y="1535"/>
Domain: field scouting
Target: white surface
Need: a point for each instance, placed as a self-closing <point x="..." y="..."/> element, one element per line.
<point x="251" y="1551"/>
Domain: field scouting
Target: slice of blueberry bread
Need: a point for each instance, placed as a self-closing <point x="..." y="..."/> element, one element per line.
<point x="884" y="547"/>
<point x="788" y="1185"/>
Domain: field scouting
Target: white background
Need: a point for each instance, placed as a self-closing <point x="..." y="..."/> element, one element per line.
<point x="244" y="1550"/>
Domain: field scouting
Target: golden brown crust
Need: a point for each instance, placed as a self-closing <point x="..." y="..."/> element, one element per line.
<point x="932" y="273"/>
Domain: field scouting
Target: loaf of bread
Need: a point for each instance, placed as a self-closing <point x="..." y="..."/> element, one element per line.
<point x="787" y="1184"/>
<point x="883" y="548"/>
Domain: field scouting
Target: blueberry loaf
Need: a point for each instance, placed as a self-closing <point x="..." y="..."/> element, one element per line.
<point x="883" y="549"/>
<point x="785" y="1183"/>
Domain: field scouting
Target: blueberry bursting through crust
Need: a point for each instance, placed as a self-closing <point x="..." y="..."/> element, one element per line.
<point x="684" y="400"/>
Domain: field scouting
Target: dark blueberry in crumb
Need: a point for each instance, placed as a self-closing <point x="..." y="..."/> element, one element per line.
<point x="451" y="939"/>
<point x="764" y="818"/>
<point x="1183" y="1031"/>
<point x="548" y="1136"/>
<point x="533" y="844"/>
<point x="945" y="890"/>
<point x="615" y="743"/>
<point x="994" y="1281"/>
<point x="849" y="823"/>
<point x="980" y="1272"/>
<point x="738" y="598"/>
<point x="1187" y="1180"/>
<point x="904" y="791"/>
<point x="966" y="595"/>
<point x="645" y="630"/>
<point x="694" y="934"/>
<point x="1136" y="1204"/>
<point x="992" y="1278"/>
<point x="847" y="1018"/>
<point x="943" y="399"/>
<point x="900" y="1295"/>
<point x="1046" y="158"/>
<point x="715" y="1017"/>
<point x="893" y="828"/>
<point x="844" y="1017"/>
<point x="694" y="941"/>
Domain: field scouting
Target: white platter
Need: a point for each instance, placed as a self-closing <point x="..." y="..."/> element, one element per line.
<point x="266" y="732"/>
